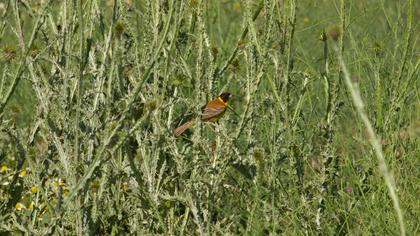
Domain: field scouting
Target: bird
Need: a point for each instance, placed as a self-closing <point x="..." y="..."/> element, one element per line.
<point x="211" y="112"/>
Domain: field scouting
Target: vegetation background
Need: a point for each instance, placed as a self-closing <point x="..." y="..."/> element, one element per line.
<point x="324" y="138"/>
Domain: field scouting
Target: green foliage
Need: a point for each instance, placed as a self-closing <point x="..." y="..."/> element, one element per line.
<point x="91" y="92"/>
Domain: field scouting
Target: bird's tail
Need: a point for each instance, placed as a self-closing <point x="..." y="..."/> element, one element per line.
<point x="183" y="127"/>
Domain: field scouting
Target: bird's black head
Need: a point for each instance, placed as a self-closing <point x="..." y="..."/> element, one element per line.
<point x="225" y="96"/>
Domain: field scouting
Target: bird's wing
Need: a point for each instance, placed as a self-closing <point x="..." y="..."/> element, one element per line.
<point x="213" y="109"/>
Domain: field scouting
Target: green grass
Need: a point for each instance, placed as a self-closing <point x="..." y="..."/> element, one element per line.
<point x="325" y="139"/>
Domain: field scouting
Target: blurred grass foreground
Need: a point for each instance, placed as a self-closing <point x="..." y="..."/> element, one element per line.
<point x="323" y="138"/>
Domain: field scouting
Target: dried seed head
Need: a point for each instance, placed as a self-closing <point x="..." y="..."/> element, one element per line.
<point x="316" y="164"/>
<point x="334" y="32"/>
<point x="355" y="78"/>
<point x="258" y="155"/>
<point x="9" y="53"/>
<point x="34" y="50"/>
<point x="193" y="3"/>
<point x="119" y="28"/>
<point x="152" y="105"/>
<point x="234" y="66"/>
<point x="214" y="51"/>
<point x="323" y="36"/>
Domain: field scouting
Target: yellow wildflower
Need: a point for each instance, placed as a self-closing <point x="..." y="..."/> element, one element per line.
<point x="34" y="189"/>
<point x="3" y="168"/>
<point x="237" y="6"/>
<point x="19" y="206"/>
<point x="22" y="173"/>
<point x="59" y="182"/>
